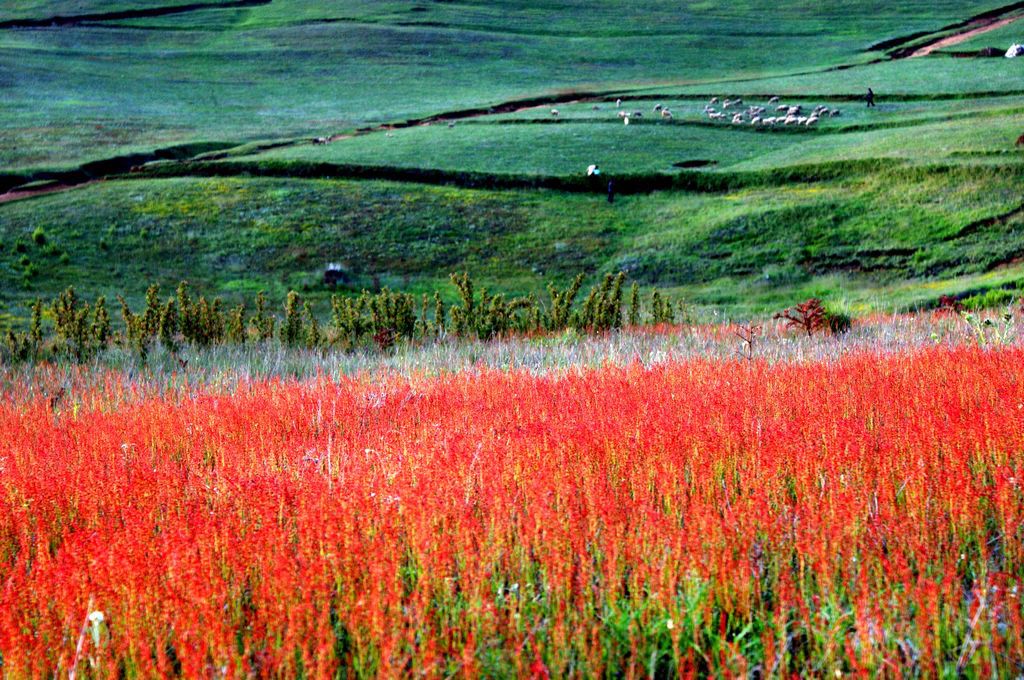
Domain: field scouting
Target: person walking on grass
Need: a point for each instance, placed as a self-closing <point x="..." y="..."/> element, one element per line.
<point x="870" y="98"/>
<point x="611" y="191"/>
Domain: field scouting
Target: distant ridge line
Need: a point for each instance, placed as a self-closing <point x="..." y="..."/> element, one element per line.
<point x="78" y="19"/>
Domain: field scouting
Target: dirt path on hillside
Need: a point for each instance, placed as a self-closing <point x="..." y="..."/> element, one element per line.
<point x="980" y="29"/>
<point x="17" y="194"/>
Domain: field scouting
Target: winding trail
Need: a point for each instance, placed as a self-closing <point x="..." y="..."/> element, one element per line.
<point x="16" y="194"/>
<point x="957" y="38"/>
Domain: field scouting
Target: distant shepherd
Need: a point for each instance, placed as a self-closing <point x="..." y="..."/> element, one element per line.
<point x="870" y="97"/>
<point x="611" y="191"/>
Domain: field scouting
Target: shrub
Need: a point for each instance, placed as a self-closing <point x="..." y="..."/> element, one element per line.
<point x="39" y="236"/>
<point x="997" y="297"/>
<point x="808" y="316"/>
<point x="291" y="329"/>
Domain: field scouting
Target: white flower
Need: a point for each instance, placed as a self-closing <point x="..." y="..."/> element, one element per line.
<point x="670" y="624"/>
<point x="96" y="618"/>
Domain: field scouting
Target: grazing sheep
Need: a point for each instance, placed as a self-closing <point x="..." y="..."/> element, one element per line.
<point x="622" y="114"/>
<point x="784" y="107"/>
<point x="716" y="116"/>
<point x="714" y="100"/>
<point x="321" y="140"/>
<point x="451" y="124"/>
<point x="737" y="119"/>
<point x="625" y="120"/>
<point x="657" y="107"/>
<point x="773" y="100"/>
<point x="618" y="103"/>
<point x="835" y="112"/>
<point x="795" y="110"/>
<point x="665" y="113"/>
<point x="638" y="114"/>
<point x="726" y="104"/>
<point x="755" y="120"/>
<point x="554" y="112"/>
<point x="811" y="121"/>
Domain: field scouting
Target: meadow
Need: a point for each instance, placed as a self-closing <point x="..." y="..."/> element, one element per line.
<point x="880" y="209"/>
<point x="611" y="445"/>
<point x="657" y="511"/>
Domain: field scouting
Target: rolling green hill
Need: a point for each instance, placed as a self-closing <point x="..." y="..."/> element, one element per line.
<point x="888" y="207"/>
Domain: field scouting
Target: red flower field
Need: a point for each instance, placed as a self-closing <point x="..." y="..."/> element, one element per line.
<point x="861" y="515"/>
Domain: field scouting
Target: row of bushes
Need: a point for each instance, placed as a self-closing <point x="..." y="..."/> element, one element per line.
<point x="381" y="319"/>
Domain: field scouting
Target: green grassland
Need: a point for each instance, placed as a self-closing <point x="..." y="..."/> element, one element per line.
<point x="883" y="208"/>
<point x="751" y="249"/>
<point x="292" y="67"/>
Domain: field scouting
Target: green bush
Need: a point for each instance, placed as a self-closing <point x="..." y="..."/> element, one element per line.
<point x="997" y="297"/>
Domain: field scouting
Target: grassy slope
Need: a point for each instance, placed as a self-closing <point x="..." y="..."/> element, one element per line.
<point x="279" y="70"/>
<point x="751" y="250"/>
<point x="300" y="67"/>
<point x="566" y="145"/>
<point x="42" y="9"/>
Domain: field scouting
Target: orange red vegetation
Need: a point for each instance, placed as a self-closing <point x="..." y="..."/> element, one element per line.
<point x="859" y="515"/>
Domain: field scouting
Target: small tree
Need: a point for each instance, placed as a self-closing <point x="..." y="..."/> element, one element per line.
<point x="634" y="305"/>
<point x="748" y="333"/>
<point x="809" y="316"/>
<point x="291" y="329"/>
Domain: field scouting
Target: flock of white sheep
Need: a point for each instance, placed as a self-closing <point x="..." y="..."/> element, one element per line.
<point x="775" y="113"/>
<point x="784" y="114"/>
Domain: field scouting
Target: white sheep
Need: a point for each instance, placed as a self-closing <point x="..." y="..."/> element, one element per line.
<point x="657" y="107"/>
<point x="835" y="112"/>
<point x="811" y="121"/>
<point x="625" y="120"/>
<point x="554" y="112"/>
<point x="665" y="113"/>
<point x="755" y="121"/>
<point x="773" y="100"/>
<point x="714" y="100"/>
<point x="618" y="103"/>
<point x="716" y="116"/>
<point x="783" y="107"/>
